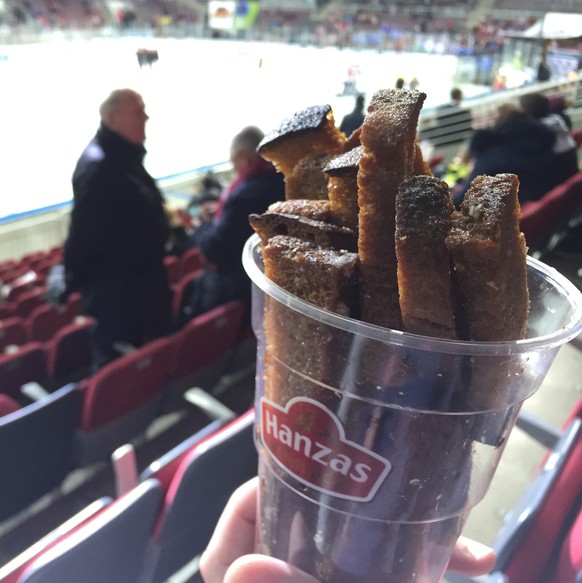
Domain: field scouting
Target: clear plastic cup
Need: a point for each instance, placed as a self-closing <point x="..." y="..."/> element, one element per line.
<point x="375" y="444"/>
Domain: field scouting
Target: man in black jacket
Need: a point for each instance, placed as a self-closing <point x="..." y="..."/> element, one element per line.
<point x="221" y="238"/>
<point x="115" y="246"/>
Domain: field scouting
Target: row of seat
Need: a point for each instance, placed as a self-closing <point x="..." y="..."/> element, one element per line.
<point x="160" y="521"/>
<point x="83" y="422"/>
<point x="38" y="262"/>
<point x="163" y="519"/>
<point x="40" y="325"/>
<point x="27" y="291"/>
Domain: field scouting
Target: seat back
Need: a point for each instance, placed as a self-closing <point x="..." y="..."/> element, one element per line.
<point x="69" y="352"/>
<point x="36" y="448"/>
<point x="191" y="260"/>
<point x="198" y="492"/>
<point x="46" y="320"/>
<point x="172" y="264"/>
<point x="111" y="547"/>
<point x="26" y="365"/>
<point x="569" y="564"/>
<point x="540" y="218"/>
<point x="533" y="535"/>
<point x="28" y="301"/>
<point x="126" y="383"/>
<point x="206" y="339"/>
<point x="182" y="293"/>
<point x="12" y="332"/>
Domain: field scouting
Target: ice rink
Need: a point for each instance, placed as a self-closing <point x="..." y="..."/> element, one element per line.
<point x="198" y="95"/>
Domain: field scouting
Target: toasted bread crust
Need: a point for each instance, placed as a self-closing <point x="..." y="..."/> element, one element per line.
<point x="307" y="180"/>
<point x="308" y="132"/>
<point x="489" y="255"/>
<point x="423" y="220"/>
<point x="270" y="224"/>
<point x="388" y="137"/>
<point x="343" y="187"/>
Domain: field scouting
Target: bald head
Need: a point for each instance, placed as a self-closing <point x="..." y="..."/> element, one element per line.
<point x="243" y="148"/>
<point x="123" y="112"/>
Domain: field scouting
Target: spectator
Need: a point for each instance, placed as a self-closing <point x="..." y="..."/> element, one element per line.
<point x="208" y="190"/>
<point x="224" y="226"/>
<point x="537" y="106"/>
<point x="453" y="123"/>
<point x="115" y="246"/>
<point x="558" y="105"/>
<point x="352" y="121"/>
<point x="516" y="144"/>
<point x="400" y="83"/>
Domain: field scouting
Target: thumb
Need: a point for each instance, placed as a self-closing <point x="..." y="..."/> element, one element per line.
<point x="263" y="569"/>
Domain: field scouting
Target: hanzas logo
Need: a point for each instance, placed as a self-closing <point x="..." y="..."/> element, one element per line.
<point x="308" y="441"/>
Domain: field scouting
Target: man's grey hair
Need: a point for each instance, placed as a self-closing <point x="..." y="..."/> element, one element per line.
<point x="247" y="139"/>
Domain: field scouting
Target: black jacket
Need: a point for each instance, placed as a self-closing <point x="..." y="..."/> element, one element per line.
<point x="222" y="241"/>
<point x="115" y="246"/>
<point x="519" y="146"/>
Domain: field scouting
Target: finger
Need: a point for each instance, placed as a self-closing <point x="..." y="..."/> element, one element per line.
<point x="262" y="569"/>
<point x="471" y="558"/>
<point x="234" y="535"/>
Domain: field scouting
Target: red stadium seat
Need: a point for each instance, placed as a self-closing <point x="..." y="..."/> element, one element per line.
<point x="7" y="405"/>
<point x="172" y="268"/>
<point x="22" y="284"/>
<point x="28" y="301"/>
<point x="182" y="291"/>
<point x="196" y="491"/>
<point x="122" y="399"/>
<point x="541" y="217"/>
<point x="191" y="260"/>
<point x="46" y="320"/>
<point x="12" y="333"/>
<point x="201" y="350"/>
<point x="107" y="543"/>
<point x="69" y="354"/>
<point x="26" y="365"/>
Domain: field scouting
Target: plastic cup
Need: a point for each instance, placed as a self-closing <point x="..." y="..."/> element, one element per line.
<point x="375" y="444"/>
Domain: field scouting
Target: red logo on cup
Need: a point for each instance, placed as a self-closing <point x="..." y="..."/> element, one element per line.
<point x="307" y="440"/>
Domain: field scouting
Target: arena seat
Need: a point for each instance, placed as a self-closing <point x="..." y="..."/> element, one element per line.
<point x="542" y="217"/>
<point x="182" y="293"/>
<point x="121" y="400"/>
<point x="196" y="492"/>
<point x="22" y="284"/>
<point x="68" y="353"/>
<point x="46" y="320"/>
<point x="12" y="333"/>
<point x="541" y="540"/>
<point x="6" y="311"/>
<point x="11" y="571"/>
<point x="107" y="547"/>
<point x="28" y="301"/>
<point x="26" y="365"/>
<point x="7" y="405"/>
<point x="200" y="351"/>
<point x="172" y="264"/>
<point x="36" y="448"/>
<point x="191" y="260"/>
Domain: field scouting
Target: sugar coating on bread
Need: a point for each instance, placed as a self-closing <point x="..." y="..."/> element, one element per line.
<point x="307" y="132"/>
<point x="489" y="257"/>
<point x="423" y="220"/>
<point x="389" y="140"/>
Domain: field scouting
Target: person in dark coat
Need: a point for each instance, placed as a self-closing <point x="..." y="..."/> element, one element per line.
<point x="516" y="144"/>
<point x="221" y="238"/>
<point x="352" y="121"/>
<point x="115" y="246"/>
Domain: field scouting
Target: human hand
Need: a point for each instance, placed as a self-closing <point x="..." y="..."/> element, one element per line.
<point x="229" y="557"/>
